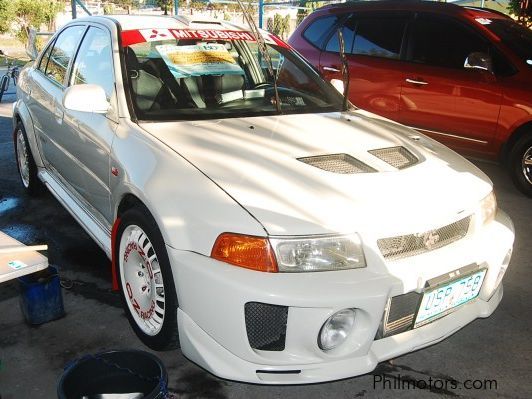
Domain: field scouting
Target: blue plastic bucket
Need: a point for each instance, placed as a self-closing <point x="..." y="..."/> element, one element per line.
<point x="40" y="296"/>
<point x="131" y="373"/>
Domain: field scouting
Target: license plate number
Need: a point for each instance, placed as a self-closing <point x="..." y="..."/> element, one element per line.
<point x="439" y="301"/>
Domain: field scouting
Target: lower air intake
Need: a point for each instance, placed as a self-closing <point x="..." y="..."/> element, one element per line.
<point x="399" y="314"/>
<point x="266" y="326"/>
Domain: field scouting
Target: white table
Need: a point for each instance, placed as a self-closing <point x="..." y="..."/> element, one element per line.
<point x="17" y="260"/>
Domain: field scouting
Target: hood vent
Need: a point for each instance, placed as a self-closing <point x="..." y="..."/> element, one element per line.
<point x="338" y="163"/>
<point x="398" y="157"/>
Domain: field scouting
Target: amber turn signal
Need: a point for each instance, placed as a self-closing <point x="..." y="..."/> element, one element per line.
<point x="245" y="251"/>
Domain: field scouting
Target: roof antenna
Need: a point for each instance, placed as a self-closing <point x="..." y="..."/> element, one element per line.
<point x="263" y="51"/>
<point x="345" y="67"/>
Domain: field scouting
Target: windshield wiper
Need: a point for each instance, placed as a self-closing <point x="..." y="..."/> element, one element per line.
<point x="345" y="68"/>
<point x="261" y="44"/>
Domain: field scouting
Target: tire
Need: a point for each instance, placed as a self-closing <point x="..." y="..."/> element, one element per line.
<point x="4" y="83"/>
<point x="142" y="262"/>
<point x="27" y="169"/>
<point x="520" y="164"/>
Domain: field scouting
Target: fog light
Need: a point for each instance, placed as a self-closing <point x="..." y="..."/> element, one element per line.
<point x="336" y="329"/>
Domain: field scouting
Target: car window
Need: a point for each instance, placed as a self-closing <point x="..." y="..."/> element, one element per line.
<point x="94" y="62"/>
<point x="206" y="78"/>
<point x="515" y="36"/>
<point x="45" y="58"/>
<point x="348" y="31"/>
<point x="62" y="52"/>
<point x="318" y="31"/>
<point x="443" y="42"/>
<point x="379" y="37"/>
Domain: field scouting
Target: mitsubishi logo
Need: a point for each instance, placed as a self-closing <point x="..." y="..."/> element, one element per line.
<point x="155" y="34"/>
<point x="430" y="238"/>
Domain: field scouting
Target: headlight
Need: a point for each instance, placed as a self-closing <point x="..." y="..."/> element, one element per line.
<point x="488" y="208"/>
<point x="316" y="254"/>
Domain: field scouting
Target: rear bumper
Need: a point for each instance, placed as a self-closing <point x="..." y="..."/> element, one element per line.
<point x="212" y="296"/>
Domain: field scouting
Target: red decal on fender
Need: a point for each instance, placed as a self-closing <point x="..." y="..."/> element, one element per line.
<point x="114" y="254"/>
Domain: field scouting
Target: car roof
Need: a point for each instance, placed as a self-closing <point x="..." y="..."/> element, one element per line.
<point x="410" y="5"/>
<point x="133" y="22"/>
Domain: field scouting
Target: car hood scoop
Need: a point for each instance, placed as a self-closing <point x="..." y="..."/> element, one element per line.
<point x="398" y="157"/>
<point x="338" y="163"/>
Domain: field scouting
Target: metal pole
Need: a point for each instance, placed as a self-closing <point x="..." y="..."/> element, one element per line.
<point x="261" y="11"/>
<point x="74" y="14"/>
<point x="176" y="4"/>
<point x="481" y="3"/>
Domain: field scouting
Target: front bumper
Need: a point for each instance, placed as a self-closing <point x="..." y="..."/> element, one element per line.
<point x="212" y="296"/>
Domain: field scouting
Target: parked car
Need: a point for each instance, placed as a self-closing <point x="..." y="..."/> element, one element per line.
<point x="461" y="75"/>
<point x="274" y="234"/>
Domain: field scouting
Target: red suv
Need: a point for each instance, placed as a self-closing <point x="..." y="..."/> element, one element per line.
<point x="461" y="75"/>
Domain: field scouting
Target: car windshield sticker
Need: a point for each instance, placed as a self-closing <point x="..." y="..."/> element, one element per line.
<point x="199" y="59"/>
<point x="483" y="21"/>
<point x="16" y="264"/>
<point x="130" y="37"/>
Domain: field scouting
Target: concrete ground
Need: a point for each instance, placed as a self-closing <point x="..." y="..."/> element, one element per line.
<point x="498" y="349"/>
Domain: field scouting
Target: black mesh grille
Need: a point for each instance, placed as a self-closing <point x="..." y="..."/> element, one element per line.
<point x="266" y="326"/>
<point x="400" y="314"/>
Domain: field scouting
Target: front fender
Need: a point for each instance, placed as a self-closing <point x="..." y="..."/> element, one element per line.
<point x="190" y="210"/>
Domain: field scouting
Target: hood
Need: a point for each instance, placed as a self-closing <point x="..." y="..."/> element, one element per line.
<point x="256" y="161"/>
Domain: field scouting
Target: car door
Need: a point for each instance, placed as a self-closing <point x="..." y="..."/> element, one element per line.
<point x="45" y="105"/>
<point x="92" y="133"/>
<point x="373" y="45"/>
<point x="456" y="105"/>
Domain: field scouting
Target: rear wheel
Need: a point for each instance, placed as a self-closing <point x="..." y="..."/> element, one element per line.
<point x="27" y="168"/>
<point x="146" y="280"/>
<point x="520" y="164"/>
<point x="4" y="84"/>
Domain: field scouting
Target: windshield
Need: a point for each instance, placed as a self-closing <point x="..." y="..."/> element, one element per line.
<point x="516" y="37"/>
<point x="189" y="78"/>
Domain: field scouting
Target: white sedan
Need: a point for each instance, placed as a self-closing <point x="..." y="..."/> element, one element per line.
<point x="274" y="232"/>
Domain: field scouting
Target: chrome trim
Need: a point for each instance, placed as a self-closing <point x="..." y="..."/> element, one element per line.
<point x="416" y="82"/>
<point x="330" y="69"/>
<point x="527" y="165"/>
<point x="449" y="135"/>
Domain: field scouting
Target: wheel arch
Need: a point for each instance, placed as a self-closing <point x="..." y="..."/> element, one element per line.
<point x="21" y="114"/>
<point x="520" y="131"/>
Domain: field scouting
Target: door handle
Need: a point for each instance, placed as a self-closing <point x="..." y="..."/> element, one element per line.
<point x="416" y="82"/>
<point x="330" y="69"/>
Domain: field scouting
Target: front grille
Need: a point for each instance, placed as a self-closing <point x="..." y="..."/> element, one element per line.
<point x="266" y="326"/>
<point x="398" y="157"/>
<point x="399" y="247"/>
<point x="338" y="163"/>
<point x="399" y="314"/>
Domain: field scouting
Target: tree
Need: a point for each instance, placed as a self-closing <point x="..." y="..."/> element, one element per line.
<point x="165" y="5"/>
<point x="6" y="15"/>
<point x="522" y="9"/>
<point x="33" y="14"/>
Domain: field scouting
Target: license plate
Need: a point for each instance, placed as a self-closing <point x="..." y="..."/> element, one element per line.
<point x="439" y="301"/>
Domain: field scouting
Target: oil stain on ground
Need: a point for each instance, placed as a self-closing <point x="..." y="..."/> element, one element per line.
<point x="197" y="384"/>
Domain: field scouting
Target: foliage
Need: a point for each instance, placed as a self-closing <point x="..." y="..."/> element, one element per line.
<point x="523" y="13"/>
<point x="281" y="25"/>
<point x="165" y="5"/>
<point x="108" y="8"/>
<point x="6" y="15"/>
<point x="33" y="14"/>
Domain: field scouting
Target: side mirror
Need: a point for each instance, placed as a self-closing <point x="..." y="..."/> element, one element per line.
<point x="479" y="60"/>
<point x="86" y="98"/>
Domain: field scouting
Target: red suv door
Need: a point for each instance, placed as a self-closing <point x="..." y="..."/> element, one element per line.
<point x="373" y="49"/>
<point x="456" y="105"/>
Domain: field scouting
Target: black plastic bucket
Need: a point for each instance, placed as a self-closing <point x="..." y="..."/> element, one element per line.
<point x="40" y="296"/>
<point x="114" y="372"/>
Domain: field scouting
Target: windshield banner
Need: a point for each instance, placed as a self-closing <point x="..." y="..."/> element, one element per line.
<point x="130" y="37"/>
<point x="199" y="59"/>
